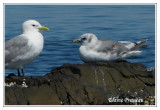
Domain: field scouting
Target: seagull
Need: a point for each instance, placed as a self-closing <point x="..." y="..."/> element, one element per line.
<point x="24" y="48"/>
<point x="94" y="50"/>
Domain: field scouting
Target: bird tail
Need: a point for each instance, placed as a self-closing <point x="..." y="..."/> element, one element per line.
<point x="130" y="53"/>
<point x="138" y="44"/>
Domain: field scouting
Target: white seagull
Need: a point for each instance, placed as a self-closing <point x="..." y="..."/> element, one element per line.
<point x="94" y="50"/>
<point x="23" y="49"/>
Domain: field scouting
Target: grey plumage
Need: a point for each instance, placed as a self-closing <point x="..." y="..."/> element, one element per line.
<point x="23" y="49"/>
<point x="94" y="50"/>
<point x="15" y="47"/>
<point x="111" y="46"/>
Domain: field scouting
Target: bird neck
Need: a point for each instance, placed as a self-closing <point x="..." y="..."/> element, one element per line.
<point x="92" y="44"/>
<point x="30" y="31"/>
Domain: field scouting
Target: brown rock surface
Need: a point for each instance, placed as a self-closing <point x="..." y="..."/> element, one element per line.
<point x="83" y="84"/>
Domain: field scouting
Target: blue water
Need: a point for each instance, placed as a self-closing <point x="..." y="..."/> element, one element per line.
<point x="68" y="22"/>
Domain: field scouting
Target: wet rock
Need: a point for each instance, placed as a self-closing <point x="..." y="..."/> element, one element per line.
<point x="83" y="84"/>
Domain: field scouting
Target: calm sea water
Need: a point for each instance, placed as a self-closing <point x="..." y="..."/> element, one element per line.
<point x="68" y="22"/>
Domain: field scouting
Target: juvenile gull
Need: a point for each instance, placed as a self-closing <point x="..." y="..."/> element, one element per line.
<point x="94" y="50"/>
<point x="23" y="49"/>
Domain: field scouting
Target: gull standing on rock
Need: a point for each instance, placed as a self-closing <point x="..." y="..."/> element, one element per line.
<point x="23" y="49"/>
<point x="94" y="50"/>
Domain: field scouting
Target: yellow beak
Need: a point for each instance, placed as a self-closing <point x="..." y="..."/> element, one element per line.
<point x="76" y="41"/>
<point x="44" y="28"/>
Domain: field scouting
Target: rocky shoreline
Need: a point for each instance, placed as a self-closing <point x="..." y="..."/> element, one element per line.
<point x="112" y="83"/>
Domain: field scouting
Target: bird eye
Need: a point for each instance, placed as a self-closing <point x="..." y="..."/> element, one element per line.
<point x="33" y="25"/>
<point x="84" y="38"/>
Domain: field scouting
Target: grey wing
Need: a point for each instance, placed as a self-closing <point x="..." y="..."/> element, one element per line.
<point x="15" y="47"/>
<point x="112" y="46"/>
<point x="127" y="44"/>
<point x="106" y="45"/>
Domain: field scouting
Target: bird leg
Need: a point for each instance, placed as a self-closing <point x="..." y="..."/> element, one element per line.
<point x="22" y="71"/>
<point x="18" y="72"/>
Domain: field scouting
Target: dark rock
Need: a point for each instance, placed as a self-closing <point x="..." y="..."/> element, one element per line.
<point x="83" y="84"/>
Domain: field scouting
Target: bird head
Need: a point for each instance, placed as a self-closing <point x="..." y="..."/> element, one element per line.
<point x="86" y="39"/>
<point x="32" y="26"/>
